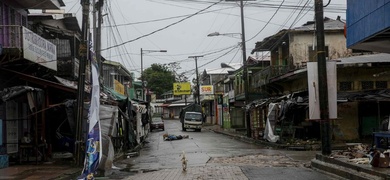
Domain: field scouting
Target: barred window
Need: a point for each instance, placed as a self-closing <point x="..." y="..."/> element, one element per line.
<point x="381" y="84"/>
<point x="345" y="86"/>
<point x="63" y="47"/>
<point x="367" y="85"/>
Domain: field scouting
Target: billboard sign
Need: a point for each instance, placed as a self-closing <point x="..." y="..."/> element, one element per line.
<point x="182" y="88"/>
<point x="207" y="89"/>
<point x="119" y="87"/>
<point x="39" y="50"/>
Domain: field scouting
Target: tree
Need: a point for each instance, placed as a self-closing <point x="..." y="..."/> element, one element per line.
<point x="159" y="78"/>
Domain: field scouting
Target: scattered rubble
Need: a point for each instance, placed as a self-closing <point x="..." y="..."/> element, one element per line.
<point x="257" y="160"/>
<point x="301" y="142"/>
<point x="352" y="152"/>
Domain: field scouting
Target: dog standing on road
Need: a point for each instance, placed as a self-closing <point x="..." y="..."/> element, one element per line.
<point x="184" y="161"/>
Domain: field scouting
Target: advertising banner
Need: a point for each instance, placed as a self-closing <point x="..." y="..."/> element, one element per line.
<point x="182" y="88"/>
<point x="314" y="101"/>
<point x="93" y="143"/>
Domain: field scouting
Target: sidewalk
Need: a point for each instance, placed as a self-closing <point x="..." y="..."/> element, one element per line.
<point x="339" y="166"/>
<point x="202" y="172"/>
<point x="41" y="171"/>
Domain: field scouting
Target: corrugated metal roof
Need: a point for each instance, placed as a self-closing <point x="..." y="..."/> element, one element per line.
<point x="36" y="4"/>
<point x="371" y="58"/>
<point x="233" y="67"/>
<point x="329" y="24"/>
<point x="271" y="42"/>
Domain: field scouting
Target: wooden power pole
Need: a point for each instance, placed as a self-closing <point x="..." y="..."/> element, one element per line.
<point x="322" y="79"/>
<point x="83" y="53"/>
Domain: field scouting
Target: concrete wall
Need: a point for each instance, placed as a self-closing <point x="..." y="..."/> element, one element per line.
<point x="300" y="42"/>
<point x="358" y="74"/>
<point x="346" y="127"/>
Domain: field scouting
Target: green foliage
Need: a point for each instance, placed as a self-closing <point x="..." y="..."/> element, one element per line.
<point x="159" y="78"/>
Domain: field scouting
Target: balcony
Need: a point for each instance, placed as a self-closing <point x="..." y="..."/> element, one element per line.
<point x="21" y="43"/>
<point x="36" y="4"/>
<point x="264" y="76"/>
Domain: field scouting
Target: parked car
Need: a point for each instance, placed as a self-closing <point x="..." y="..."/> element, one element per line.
<point x="157" y="123"/>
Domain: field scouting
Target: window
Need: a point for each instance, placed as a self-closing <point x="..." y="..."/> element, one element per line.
<point x="345" y="86"/>
<point x="63" y="47"/>
<point x="313" y="53"/>
<point x="367" y="85"/>
<point x="381" y="84"/>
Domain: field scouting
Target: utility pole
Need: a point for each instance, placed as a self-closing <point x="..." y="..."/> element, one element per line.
<point x="83" y="53"/>
<point x="197" y="76"/>
<point x="142" y="76"/>
<point x="99" y="40"/>
<point x="245" y="72"/>
<point x="322" y="79"/>
<point x="142" y="68"/>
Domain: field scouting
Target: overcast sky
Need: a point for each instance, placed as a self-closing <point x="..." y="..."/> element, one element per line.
<point x="181" y="27"/>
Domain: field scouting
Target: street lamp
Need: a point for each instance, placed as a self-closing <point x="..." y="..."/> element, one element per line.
<point x="245" y="70"/>
<point x="142" y="68"/>
<point x="224" y="34"/>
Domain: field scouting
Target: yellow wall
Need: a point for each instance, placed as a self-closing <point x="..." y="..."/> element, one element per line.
<point x="346" y="127"/>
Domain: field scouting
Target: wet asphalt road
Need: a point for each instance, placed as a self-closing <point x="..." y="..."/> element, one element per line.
<point x="209" y="148"/>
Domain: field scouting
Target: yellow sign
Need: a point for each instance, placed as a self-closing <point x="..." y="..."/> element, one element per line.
<point x="181" y="88"/>
<point x="118" y="87"/>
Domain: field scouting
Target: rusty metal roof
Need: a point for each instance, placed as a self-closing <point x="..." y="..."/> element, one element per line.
<point x="271" y="42"/>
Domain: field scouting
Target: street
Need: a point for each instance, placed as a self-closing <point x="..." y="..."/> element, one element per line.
<point x="212" y="156"/>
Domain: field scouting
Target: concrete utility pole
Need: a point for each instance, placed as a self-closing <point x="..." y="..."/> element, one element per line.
<point x="99" y="40"/>
<point x="322" y="79"/>
<point x="83" y="53"/>
<point x="245" y="72"/>
<point x="197" y="76"/>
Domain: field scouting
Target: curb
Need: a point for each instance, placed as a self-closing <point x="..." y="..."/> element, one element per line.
<point x="275" y="145"/>
<point x="340" y="171"/>
<point x="344" y="169"/>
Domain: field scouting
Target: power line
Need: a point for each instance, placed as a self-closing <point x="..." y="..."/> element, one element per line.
<point x="162" y="28"/>
<point x="267" y="22"/>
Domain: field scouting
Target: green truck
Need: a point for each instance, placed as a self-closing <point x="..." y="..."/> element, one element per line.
<point x="191" y="117"/>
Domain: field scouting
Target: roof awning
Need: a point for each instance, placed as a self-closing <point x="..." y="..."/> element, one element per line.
<point x="12" y="92"/>
<point x="40" y="81"/>
<point x="179" y="104"/>
<point x="114" y="94"/>
<point x="165" y="105"/>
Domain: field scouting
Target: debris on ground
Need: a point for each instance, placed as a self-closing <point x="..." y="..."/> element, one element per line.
<point x="294" y="141"/>
<point x="364" y="154"/>
<point x="352" y="152"/>
<point x="258" y="160"/>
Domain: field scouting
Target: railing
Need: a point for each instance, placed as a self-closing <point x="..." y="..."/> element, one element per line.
<point x="263" y="77"/>
<point x="11" y="36"/>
